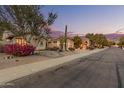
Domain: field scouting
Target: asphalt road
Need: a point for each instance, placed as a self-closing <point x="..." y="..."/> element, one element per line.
<point x="104" y="69"/>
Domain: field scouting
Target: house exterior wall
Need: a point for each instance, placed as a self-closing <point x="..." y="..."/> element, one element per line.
<point x="34" y="41"/>
<point x="70" y="44"/>
<point x="56" y="43"/>
<point x="39" y="46"/>
<point x="53" y="43"/>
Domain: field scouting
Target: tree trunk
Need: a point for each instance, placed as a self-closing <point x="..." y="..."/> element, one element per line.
<point x="66" y="38"/>
<point x="46" y="45"/>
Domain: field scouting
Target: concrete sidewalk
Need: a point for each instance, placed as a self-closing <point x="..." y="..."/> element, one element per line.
<point x="13" y="73"/>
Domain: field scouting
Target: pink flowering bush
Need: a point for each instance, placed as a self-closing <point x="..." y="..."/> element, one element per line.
<point x="18" y="50"/>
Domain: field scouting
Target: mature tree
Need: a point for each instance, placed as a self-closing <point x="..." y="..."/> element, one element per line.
<point x="121" y="42"/>
<point x="90" y="36"/>
<point x="110" y="43"/>
<point x="100" y="40"/>
<point x="66" y="38"/>
<point x="77" y="41"/>
<point x="97" y="40"/>
<point x="63" y="40"/>
<point x="23" y="20"/>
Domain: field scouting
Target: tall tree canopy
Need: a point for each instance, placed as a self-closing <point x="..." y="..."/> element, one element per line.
<point x="121" y="42"/>
<point x="90" y="36"/>
<point x="77" y="41"/>
<point x="111" y="43"/>
<point x="100" y="40"/>
<point x="97" y="40"/>
<point x="23" y="20"/>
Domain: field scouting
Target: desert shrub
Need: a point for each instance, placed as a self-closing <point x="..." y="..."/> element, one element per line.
<point x="71" y="49"/>
<point x="18" y="50"/>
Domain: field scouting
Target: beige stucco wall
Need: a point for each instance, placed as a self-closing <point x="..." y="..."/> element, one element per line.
<point x="39" y="46"/>
<point x="53" y="43"/>
<point x="70" y="43"/>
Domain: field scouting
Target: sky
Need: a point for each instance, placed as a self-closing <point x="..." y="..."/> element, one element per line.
<point x="87" y="18"/>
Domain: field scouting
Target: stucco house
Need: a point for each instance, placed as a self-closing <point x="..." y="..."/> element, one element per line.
<point x="40" y="45"/>
<point x="9" y="38"/>
<point x="55" y="42"/>
<point x="85" y="43"/>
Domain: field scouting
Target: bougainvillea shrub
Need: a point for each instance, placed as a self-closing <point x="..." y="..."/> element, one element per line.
<point x="18" y="50"/>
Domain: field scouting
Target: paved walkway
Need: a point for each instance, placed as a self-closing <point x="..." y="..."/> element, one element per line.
<point x="13" y="73"/>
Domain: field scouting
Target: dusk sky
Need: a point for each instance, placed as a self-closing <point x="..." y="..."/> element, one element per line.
<point x="84" y="19"/>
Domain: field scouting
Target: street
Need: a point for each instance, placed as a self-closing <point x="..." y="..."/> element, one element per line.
<point x="104" y="69"/>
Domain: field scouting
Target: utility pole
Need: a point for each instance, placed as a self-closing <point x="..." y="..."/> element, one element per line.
<point x="66" y="38"/>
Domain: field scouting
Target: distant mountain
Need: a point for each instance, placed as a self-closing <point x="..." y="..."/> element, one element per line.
<point x="56" y="34"/>
<point x="114" y="36"/>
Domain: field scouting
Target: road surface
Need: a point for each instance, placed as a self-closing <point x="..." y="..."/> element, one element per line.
<point x="104" y="69"/>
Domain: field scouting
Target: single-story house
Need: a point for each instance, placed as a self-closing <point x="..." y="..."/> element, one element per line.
<point x="9" y="38"/>
<point x="55" y="42"/>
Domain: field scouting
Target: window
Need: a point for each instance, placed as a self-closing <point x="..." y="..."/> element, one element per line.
<point x="21" y="41"/>
<point x="54" y="41"/>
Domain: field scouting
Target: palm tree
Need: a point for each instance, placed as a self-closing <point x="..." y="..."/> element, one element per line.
<point x="62" y="41"/>
<point x="66" y="38"/>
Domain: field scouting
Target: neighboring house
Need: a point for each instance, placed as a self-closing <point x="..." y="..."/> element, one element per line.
<point x="40" y="45"/>
<point x="34" y="41"/>
<point x="70" y="43"/>
<point x="55" y="40"/>
<point x="53" y="43"/>
<point x="56" y="43"/>
<point x="9" y="38"/>
<point x="85" y="43"/>
<point x="19" y="40"/>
